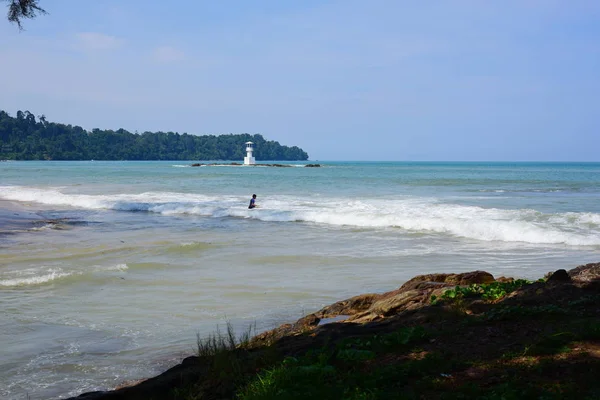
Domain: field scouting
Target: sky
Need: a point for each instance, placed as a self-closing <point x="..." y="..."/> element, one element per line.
<point x="436" y="80"/>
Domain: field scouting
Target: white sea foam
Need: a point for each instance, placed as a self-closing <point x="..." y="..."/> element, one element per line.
<point x="44" y="275"/>
<point x="30" y="278"/>
<point x="412" y="214"/>
<point x="546" y="190"/>
<point x="584" y="218"/>
<point x="118" y="267"/>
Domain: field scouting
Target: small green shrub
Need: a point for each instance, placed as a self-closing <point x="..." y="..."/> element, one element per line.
<point x="490" y="291"/>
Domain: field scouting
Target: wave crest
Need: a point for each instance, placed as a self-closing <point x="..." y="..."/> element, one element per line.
<point x="50" y="275"/>
<point x="412" y="214"/>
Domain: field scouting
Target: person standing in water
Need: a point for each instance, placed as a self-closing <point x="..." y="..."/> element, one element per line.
<point x="252" y="202"/>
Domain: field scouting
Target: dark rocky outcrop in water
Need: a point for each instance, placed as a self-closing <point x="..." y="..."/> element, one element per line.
<point x="252" y="165"/>
<point x="561" y="308"/>
<point x="238" y="164"/>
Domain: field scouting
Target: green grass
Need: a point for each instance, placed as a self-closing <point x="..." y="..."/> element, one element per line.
<point x="385" y="366"/>
<point x="341" y="371"/>
<point x="590" y="330"/>
<point x="502" y="312"/>
<point x="386" y="342"/>
<point x="552" y="344"/>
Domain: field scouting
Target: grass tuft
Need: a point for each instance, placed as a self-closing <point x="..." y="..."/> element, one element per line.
<point x="218" y="342"/>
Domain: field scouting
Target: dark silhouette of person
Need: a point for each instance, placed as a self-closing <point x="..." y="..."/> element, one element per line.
<point x="252" y="202"/>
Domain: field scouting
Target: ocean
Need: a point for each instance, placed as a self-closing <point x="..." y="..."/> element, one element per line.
<point x="116" y="267"/>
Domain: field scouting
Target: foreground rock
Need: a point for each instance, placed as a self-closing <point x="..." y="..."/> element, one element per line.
<point x="588" y="273"/>
<point x="472" y="341"/>
<point x="412" y="295"/>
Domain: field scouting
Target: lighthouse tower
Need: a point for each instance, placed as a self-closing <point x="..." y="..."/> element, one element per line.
<point x="249" y="160"/>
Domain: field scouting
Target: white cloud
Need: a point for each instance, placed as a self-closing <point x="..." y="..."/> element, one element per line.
<point x="167" y="54"/>
<point x="93" y="41"/>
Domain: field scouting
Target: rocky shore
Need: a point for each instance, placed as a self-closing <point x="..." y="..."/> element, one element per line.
<point x="438" y="336"/>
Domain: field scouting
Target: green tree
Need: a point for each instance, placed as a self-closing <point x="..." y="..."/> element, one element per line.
<point x="25" y="138"/>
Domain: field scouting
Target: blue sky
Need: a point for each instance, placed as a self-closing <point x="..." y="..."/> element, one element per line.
<point x="344" y="80"/>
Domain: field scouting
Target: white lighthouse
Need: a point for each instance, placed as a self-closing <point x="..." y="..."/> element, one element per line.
<point x="249" y="159"/>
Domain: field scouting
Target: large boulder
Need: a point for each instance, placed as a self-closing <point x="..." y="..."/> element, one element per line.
<point x="586" y="273"/>
<point x="417" y="292"/>
<point x="390" y="305"/>
<point x="559" y="276"/>
<point x="414" y="294"/>
<point x="308" y="322"/>
<point x="349" y="306"/>
<point x="466" y="278"/>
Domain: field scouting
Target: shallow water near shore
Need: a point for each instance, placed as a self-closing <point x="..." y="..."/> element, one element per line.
<point x="128" y="261"/>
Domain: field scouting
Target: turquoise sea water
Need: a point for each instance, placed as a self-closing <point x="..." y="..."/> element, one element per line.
<point x="144" y="255"/>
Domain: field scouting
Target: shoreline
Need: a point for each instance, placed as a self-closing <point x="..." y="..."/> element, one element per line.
<point x="430" y="320"/>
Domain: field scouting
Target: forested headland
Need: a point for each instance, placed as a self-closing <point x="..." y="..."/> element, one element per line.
<point x="26" y="137"/>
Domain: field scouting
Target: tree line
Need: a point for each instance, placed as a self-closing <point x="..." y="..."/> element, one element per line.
<point x="26" y="138"/>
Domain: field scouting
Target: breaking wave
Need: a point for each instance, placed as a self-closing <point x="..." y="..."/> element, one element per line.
<point x="46" y="275"/>
<point x="413" y="214"/>
<point x="34" y="279"/>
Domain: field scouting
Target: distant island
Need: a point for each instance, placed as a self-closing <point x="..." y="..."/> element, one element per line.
<point x="26" y="138"/>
